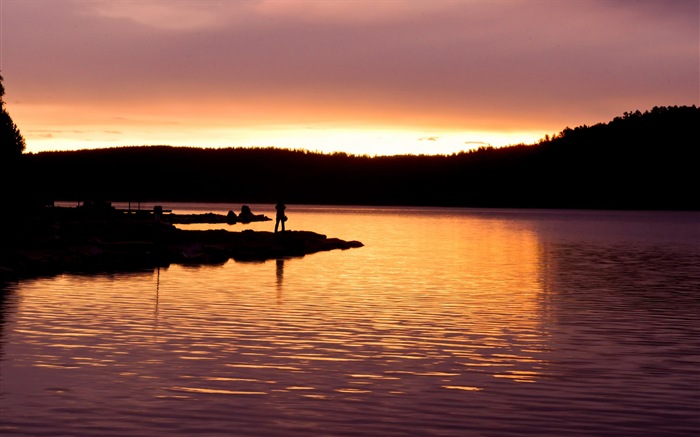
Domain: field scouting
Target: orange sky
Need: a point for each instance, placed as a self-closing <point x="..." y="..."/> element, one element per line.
<point x="381" y="77"/>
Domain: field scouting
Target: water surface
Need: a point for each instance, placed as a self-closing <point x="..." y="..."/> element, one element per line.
<point x="448" y="322"/>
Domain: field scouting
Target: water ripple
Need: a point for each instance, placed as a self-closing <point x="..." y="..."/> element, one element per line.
<point x="508" y="328"/>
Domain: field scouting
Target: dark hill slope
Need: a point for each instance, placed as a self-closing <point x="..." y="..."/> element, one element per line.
<point x="637" y="161"/>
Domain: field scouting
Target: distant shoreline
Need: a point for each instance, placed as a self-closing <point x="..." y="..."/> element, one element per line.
<point x="638" y="161"/>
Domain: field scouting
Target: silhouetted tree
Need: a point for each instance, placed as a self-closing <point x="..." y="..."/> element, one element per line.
<point x="641" y="160"/>
<point x="11" y="141"/>
<point x="13" y="182"/>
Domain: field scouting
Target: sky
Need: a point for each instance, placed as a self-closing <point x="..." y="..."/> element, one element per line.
<point x="366" y="77"/>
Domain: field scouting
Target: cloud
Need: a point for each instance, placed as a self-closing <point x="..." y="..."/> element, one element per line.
<point x="428" y="139"/>
<point x="171" y="15"/>
<point x="349" y="12"/>
<point x="55" y="131"/>
<point x="190" y="15"/>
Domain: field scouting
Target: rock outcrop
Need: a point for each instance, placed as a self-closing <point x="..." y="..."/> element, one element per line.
<point x="58" y="240"/>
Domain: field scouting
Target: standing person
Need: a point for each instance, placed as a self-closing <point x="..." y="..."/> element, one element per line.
<point x="281" y="218"/>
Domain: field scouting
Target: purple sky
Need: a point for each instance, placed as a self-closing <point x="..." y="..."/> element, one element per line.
<point x="370" y="77"/>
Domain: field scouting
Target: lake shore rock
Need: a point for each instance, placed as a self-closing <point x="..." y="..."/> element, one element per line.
<point x="245" y="216"/>
<point x="57" y="241"/>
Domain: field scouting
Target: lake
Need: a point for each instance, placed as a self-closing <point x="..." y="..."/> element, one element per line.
<point x="449" y="322"/>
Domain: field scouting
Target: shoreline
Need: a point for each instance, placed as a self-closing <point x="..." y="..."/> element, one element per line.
<point x="54" y="241"/>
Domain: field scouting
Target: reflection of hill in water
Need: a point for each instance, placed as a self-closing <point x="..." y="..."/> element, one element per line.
<point x="638" y="161"/>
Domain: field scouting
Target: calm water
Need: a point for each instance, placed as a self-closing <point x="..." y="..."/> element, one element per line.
<point x="449" y="322"/>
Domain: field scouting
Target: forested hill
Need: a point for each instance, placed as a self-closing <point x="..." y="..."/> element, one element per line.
<point x="639" y="160"/>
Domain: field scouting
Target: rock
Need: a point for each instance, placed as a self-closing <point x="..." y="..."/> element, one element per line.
<point x="247" y="216"/>
<point x="230" y="218"/>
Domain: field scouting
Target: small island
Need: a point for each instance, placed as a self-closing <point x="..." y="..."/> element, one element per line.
<point x="99" y="238"/>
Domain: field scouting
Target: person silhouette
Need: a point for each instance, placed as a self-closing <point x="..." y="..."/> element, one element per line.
<point x="281" y="218"/>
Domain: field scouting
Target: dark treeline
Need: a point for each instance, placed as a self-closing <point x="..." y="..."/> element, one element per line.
<point x="639" y="160"/>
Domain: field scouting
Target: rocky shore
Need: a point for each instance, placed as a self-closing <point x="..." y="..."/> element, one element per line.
<point x="62" y="240"/>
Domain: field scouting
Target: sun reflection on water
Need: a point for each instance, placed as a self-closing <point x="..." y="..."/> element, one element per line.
<point x="383" y="317"/>
<point x="387" y="321"/>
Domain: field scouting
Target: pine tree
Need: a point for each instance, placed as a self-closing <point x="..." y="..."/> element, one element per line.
<point x="11" y="141"/>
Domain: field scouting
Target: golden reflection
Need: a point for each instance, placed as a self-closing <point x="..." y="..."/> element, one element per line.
<point x="422" y="373"/>
<point x="216" y="391"/>
<point x="485" y="271"/>
<point x="352" y="390"/>
<point x="264" y="366"/>
<point x="58" y="333"/>
<point x="461" y="387"/>
<point x="56" y="366"/>
<point x="315" y="358"/>
<point x="373" y="376"/>
<point x="516" y="377"/>
<point x="157" y="300"/>
<point x="394" y="315"/>
<point x="239" y="380"/>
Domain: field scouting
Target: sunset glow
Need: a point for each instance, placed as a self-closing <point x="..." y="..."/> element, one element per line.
<point x="396" y="77"/>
